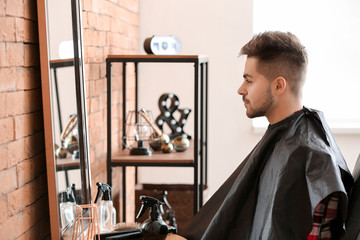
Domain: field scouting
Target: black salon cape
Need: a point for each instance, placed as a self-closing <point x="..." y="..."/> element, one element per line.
<point x="295" y="165"/>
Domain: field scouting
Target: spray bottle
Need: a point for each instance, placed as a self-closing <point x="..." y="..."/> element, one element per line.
<point x="170" y="214"/>
<point x="67" y="206"/>
<point x="154" y="227"/>
<point x="106" y="210"/>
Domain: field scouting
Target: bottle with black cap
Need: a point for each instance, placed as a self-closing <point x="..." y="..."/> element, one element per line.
<point x="67" y="209"/>
<point x="106" y="210"/>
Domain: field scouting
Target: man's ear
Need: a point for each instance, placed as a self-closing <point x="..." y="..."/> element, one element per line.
<point x="279" y="85"/>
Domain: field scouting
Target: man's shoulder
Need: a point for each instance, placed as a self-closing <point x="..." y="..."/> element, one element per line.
<point x="310" y="128"/>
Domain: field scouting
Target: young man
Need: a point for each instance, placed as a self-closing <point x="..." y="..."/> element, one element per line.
<point x="294" y="183"/>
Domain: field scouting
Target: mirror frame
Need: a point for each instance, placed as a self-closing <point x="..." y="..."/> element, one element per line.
<point x="47" y="99"/>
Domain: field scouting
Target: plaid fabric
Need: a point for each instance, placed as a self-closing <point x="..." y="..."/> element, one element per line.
<point x="325" y="211"/>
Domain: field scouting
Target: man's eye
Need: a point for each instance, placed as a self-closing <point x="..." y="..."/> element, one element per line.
<point x="248" y="81"/>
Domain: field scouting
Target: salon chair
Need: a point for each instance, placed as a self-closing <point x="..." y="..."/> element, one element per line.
<point x="353" y="218"/>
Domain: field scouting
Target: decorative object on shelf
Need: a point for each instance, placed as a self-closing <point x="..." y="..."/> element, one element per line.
<point x="181" y="144"/>
<point x="86" y="226"/>
<point x="139" y="133"/>
<point x="162" y="45"/>
<point x="166" y="115"/>
<point x="158" y="137"/>
<point x="167" y="147"/>
<point x="76" y="154"/>
<point x="70" y="136"/>
<point x="60" y="152"/>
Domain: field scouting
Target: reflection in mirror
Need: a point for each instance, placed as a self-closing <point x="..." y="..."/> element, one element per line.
<point x="64" y="111"/>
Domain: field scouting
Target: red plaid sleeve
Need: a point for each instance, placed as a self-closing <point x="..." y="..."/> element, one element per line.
<point x="325" y="211"/>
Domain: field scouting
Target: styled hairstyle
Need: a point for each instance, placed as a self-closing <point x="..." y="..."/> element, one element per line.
<point x="279" y="54"/>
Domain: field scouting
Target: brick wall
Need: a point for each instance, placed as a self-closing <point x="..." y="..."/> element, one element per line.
<point x="24" y="210"/>
<point x="110" y="27"/>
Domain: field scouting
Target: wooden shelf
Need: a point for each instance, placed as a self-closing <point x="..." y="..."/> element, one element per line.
<point x="154" y="57"/>
<point x="67" y="163"/>
<point x="158" y="158"/>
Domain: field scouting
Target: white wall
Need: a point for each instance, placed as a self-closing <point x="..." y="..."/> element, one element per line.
<point x="217" y="29"/>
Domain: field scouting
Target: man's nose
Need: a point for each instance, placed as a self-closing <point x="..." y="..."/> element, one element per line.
<point x="241" y="90"/>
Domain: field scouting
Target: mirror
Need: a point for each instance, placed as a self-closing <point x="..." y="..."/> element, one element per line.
<point x="64" y="107"/>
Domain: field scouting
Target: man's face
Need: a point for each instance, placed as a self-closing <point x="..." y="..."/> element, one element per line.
<point x="255" y="90"/>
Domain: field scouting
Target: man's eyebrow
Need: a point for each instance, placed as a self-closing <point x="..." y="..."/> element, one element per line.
<point x="246" y="75"/>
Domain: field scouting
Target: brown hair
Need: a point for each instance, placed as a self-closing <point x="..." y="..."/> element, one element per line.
<point x="279" y="54"/>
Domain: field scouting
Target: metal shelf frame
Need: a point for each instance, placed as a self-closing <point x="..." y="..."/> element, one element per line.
<point x="200" y="138"/>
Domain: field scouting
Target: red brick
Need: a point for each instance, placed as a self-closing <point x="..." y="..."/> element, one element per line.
<point x="16" y="152"/>
<point x="39" y="231"/>
<point x="133" y="42"/>
<point x="34" y="144"/>
<point x="90" y="37"/>
<point x="93" y="74"/>
<point x="8" y="180"/>
<point x="15" y="54"/>
<point x="92" y="155"/>
<point x="132" y="5"/>
<point x="2" y="54"/>
<point x="3" y="111"/>
<point x="23" y="102"/>
<point x="106" y="23"/>
<point x="31" y="55"/>
<point x="26" y="30"/>
<point x="3" y="209"/>
<point x="94" y="55"/>
<point x="28" y="78"/>
<point x="30" y="10"/>
<point x="25" y="172"/>
<point x="8" y="79"/>
<point x="7" y="30"/>
<point x="6" y="130"/>
<point x="92" y="20"/>
<point x="87" y="54"/>
<point x="117" y="26"/>
<point x="87" y="5"/>
<point x="95" y="119"/>
<point x="103" y="101"/>
<point x="87" y="87"/>
<point x="24" y="196"/>
<point x="88" y="106"/>
<point x="116" y="72"/>
<point x="28" y="124"/>
<point x="3" y="162"/>
<point x="22" y="221"/>
<point x="40" y="164"/>
<point x="94" y="136"/>
<point x="100" y="86"/>
<point x="33" y="100"/>
<point x="100" y="149"/>
<point x="94" y="104"/>
<point x="15" y="8"/>
<point x="103" y="71"/>
<point x="97" y="6"/>
<point x="15" y="103"/>
<point x="2" y="8"/>
<point x="84" y="19"/>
